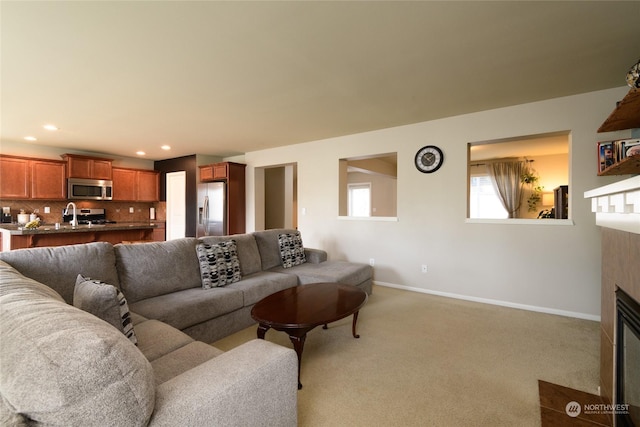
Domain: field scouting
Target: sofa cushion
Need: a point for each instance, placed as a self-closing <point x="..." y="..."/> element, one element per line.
<point x="291" y="249"/>
<point x="268" y="247"/>
<point x="189" y="307"/>
<point x="259" y="285"/>
<point x="60" y="364"/>
<point x="157" y="268"/>
<point x="14" y="281"/>
<point x="157" y="339"/>
<point x="105" y="302"/>
<point x="350" y="273"/>
<point x="248" y="253"/>
<point x="183" y="359"/>
<point x="219" y="265"/>
<point x="95" y="260"/>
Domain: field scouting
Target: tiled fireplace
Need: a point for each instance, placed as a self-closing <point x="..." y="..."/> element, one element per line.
<point x="627" y="361"/>
<point x="617" y="210"/>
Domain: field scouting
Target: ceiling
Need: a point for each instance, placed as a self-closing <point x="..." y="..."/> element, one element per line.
<point x="225" y="78"/>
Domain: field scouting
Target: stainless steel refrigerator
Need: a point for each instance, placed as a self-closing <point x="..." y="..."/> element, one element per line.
<point x="212" y="209"/>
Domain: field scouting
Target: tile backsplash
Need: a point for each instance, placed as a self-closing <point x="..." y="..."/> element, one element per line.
<point x="115" y="211"/>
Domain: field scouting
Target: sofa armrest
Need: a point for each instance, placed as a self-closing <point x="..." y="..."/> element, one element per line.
<point x="253" y="384"/>
<point x="315" y="256"/>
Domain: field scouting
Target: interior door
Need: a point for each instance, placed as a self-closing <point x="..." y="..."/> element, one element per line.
<point x="176" y="204"/>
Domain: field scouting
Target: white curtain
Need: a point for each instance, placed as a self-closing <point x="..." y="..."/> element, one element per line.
<point x="505" y="177"/>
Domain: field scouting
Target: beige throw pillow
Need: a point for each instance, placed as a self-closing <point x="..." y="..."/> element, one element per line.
<point x="105" y="302"/>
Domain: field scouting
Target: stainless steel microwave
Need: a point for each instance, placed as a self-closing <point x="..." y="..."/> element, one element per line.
<point x="89" y="189"/>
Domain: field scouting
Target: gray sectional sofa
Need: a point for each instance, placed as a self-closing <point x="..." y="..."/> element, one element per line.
<point x="60" y="365"/>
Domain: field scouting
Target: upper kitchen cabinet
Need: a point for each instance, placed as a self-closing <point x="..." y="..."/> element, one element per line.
<point x="148" y="185"/>
<point x="221" y="171"/>
<point x="48" y="180"/>
<point x="29" y="178"/>
<point x="14" y="177"/>
<point x="136" y="185"/>
<point x="79" y="166"/>
<point x="124" y="184"/>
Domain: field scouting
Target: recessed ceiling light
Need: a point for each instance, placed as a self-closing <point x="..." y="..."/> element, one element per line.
<point x="30" y="138"/>
<point x="140" y="153"/>
<point x="50" y="127"/>
<point x="166" y="147"/>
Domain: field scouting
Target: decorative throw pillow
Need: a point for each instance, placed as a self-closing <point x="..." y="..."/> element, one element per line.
<point x="291" y="249"/>
<point x="219" y="264"/>
<point x="106" y="302"/>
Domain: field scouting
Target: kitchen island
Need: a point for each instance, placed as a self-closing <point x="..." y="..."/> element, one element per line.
<point x="18" y="237"/>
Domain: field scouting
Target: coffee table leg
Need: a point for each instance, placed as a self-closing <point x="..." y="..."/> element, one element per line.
<point x="262" y="330"/>
<point x="353" y="327"/>
<point x="298" y="345"/>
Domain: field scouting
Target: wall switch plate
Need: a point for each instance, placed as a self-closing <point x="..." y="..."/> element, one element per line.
<point x="131" y="210"/>
<point x="47" y="209"/>
<point x="424" y="268"/>
<point x="372" y="262"/>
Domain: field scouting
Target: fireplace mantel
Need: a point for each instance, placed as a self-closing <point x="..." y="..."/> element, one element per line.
<point x="617" y="205"/>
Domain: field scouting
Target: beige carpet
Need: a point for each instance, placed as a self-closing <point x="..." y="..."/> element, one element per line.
<point x="424" y="360"/>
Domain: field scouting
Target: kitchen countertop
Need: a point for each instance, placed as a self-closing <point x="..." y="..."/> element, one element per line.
<point x="15" y="229"/>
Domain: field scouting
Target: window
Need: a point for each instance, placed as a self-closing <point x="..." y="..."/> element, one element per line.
<point x="359" y="199"/>
<point x="483" y="200"/>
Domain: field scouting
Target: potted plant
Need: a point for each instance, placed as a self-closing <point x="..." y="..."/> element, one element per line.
<point x="530" y="177"/>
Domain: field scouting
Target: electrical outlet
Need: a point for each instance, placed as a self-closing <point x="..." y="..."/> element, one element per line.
<point x="131" y="210"/>
<point x="47" y="209"/>
<point x="424" y="268"/>
<point x="372" y="262"/>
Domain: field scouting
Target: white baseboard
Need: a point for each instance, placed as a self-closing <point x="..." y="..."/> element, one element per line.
<point x="493" y="302"/>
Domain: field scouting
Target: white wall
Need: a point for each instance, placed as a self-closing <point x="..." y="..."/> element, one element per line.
<point x="553" y="268"/>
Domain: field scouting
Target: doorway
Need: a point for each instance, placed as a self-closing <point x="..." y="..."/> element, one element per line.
<point x="280" y="196"/>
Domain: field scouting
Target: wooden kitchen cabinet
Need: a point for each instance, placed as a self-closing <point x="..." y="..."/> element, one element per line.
<point x="217" y="171"/>
<point x="160" y="232"/>
<point x="79" y="166"/>
<point x="24" y="178"/>
<point x="15" y="173"/>
<point x="48" y="180"/>
<point x="17" y="241"/>
<point x="124" y="184"/>
<point x="148" y="185"/>
<point x="136" y="185"/>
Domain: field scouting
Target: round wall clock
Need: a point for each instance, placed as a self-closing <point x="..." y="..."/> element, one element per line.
<point x="429" y="159"/>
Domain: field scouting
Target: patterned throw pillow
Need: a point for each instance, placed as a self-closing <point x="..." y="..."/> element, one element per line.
<point x="106" y="302"/>
<point x="291" y="249"/>
<point x="219" y="264"/>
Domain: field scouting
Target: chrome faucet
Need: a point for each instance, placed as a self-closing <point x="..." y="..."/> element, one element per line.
<point x="74" y="221"/>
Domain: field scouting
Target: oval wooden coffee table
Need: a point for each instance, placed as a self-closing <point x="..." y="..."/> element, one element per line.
<point x="298" y="310"/>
